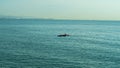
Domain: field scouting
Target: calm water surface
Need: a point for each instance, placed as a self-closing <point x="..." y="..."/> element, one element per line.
<point x="34" y="44"/>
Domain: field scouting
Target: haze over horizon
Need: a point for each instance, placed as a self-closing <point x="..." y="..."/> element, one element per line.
<point x="62" y="9"/>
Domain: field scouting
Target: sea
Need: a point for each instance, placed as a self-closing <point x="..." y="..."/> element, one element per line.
<point x="33" y="43"/>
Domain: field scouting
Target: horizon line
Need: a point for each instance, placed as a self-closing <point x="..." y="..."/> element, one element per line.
<point x="18" y="18"/>
<point x="29" y="17"/>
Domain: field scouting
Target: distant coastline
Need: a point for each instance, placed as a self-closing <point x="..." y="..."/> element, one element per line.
<point x="29" y="18"/>
<point x="51" y="19"/>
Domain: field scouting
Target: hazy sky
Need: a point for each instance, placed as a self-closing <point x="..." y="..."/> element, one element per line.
<point x="62" y="9"/>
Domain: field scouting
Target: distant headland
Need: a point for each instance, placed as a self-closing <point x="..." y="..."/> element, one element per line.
<point x="30" y="18"/>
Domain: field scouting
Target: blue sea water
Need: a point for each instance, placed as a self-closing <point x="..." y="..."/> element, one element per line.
<point x="32" y="43"/>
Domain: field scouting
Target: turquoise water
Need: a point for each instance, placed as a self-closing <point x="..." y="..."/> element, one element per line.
<point x="34" y="44"/>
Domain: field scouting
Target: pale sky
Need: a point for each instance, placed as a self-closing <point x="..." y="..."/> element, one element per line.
<point x="62" y="9"/>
